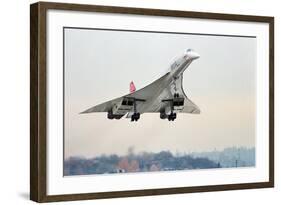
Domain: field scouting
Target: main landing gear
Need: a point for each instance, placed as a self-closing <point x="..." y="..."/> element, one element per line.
<point x="136" y="115"/>
<point x="172" y="116"/>
<point x="111" y="116"/>
<point x="177" y="101"/>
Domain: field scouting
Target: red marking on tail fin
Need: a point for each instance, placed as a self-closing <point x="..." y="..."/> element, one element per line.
<point x="132" y="87"/>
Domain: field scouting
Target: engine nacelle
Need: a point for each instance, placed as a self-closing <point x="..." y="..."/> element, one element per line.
<point x="121" y="108"/>
<point x="112" y="116"/>
<point x="178" y="104"/>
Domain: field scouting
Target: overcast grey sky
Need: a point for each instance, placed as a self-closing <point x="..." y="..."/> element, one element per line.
<point x="99" y="66"/>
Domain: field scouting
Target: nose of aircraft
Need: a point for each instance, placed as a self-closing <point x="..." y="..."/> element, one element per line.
<point x="192" y="54"/>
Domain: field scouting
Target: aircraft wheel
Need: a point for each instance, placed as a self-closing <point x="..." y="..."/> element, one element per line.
<point x="133" y="118"/>
<point x="110" y="116"/>
<point x="137" y="116"/>
<point x="170" y="117"/>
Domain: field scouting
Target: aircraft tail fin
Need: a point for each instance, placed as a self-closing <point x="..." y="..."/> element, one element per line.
<point x="132" y="87"/>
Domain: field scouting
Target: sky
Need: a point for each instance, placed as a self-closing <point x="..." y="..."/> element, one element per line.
<point x="99" y="65"/>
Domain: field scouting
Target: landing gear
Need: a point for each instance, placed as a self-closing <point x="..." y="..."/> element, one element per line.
<point x="176" y="95"/>
<point x="172" y="116"/>
<point x="135" y="117"/>
<point x="110" y="115"/>
<point x="163" y="115"/>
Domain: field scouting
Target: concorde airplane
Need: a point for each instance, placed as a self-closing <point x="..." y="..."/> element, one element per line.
<point x="165" y="96"/>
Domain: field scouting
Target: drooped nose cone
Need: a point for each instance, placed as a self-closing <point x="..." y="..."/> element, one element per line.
<point x="192" y="54"/>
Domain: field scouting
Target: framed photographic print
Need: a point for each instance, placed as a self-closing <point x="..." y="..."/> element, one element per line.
<point x="134" y="102"/>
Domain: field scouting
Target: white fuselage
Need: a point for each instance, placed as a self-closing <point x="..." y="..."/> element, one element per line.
<point x="180" y="65"/>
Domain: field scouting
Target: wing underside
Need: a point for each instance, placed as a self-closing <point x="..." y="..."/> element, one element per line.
<point x="103" y="107"/>
<point x="189" y="106"/>
<point x="141" y="96"/>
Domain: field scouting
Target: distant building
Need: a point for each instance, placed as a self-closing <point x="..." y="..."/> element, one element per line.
<point x="125" y="166"/>
<point x="154" y="168"/>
